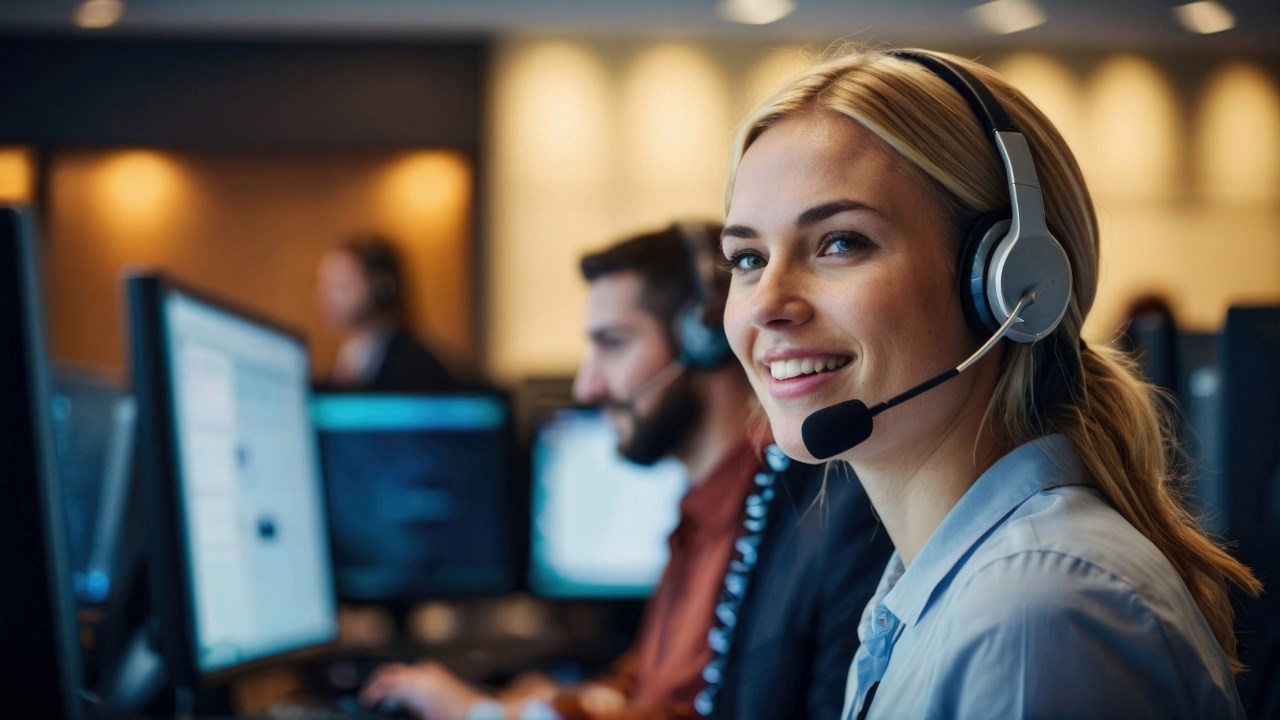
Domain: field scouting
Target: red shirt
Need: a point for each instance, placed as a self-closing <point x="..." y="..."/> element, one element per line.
<point x="671" y="649"/>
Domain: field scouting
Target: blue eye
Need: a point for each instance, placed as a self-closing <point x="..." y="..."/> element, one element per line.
<point x="744" y="261"/>
<point x="844" y="243"/>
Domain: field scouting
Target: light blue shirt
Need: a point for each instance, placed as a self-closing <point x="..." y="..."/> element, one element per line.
<point x="1034" y="598"/>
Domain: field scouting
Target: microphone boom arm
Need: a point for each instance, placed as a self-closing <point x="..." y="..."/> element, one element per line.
<point x="1028" y="298"/>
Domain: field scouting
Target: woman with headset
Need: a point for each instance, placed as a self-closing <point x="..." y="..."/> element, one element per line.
<point x="907" y="223"/>
<point x="360" y="292"/>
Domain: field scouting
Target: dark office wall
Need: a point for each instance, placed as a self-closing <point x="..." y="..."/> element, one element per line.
<point x="184" y="92"/>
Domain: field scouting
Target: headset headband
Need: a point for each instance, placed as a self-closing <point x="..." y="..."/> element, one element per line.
<point x="1024" y="256"/>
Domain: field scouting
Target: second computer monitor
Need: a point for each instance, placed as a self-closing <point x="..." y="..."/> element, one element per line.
<point x="421" y="493"/>
<point x="599" y="524"/>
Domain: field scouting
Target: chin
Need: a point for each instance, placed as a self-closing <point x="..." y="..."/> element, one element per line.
<point x="787" y="435"/>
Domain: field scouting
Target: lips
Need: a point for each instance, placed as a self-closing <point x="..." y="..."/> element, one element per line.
<point x="788" y="368"/>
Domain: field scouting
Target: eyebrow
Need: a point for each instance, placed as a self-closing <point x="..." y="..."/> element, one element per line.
<point x="806" y="218"/>
<point x="603" y="332"/>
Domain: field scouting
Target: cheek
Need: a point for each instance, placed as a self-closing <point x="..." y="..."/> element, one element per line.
<point x="866" y="310"/>
<point x="918" y="325"/>
<point x="737" y="326"/>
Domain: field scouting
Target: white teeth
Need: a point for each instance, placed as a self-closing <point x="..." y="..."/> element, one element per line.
<point x="795" y="367"/>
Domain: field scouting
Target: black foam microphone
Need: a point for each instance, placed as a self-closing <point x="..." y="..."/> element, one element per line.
<point x="840" y="427"/>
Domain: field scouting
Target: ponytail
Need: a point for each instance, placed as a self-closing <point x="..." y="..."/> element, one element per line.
<point x="1125" y="434"/>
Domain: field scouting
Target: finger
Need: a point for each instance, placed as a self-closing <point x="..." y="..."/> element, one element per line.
<point x="378" y="687"/>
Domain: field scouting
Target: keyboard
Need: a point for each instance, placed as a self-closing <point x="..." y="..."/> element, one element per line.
<point x="343" y="707"/>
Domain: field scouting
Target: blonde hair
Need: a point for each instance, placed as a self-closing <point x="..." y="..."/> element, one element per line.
<point x="1092" y="395"/>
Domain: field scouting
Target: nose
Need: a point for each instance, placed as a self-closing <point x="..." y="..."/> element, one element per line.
<point x="588" y="385"/>
<point x="778" y="298"/>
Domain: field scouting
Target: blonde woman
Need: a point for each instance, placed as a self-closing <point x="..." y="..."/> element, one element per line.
<point x="889" y="214"/>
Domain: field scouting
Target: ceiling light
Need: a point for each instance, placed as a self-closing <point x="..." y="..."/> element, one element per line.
<point x="1205" y="17"/>
<point x="755" y="12"/>
<point x="98" y="14"/>
<point x="1007" y="16"/>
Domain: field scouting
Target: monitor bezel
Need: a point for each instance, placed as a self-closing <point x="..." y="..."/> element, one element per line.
<point x="53" y="681"/>
<point x="172" y="577"/>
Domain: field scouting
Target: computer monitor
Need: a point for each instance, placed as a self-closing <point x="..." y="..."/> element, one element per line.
<point x="421" y="493"/>
<point x="1199" y="395"/>
<point x="40" y="672"/>
<point x="599" y="524"/>
<point x="1250" y="356"/>
<point x="93" y="424"/>
<point x="1250" y="442"/>
<point x="240" y="551"/>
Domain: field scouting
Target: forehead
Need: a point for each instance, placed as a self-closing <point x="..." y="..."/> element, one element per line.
<point x="614" y="299"/>
<point x="339" y="263"/>
<point x="821" y="156"/>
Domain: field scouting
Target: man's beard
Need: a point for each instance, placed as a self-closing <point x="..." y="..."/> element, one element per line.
<point x="666" y="429"/>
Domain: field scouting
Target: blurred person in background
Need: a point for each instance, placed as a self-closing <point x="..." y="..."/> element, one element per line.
<point x="755" y="615"/>
<point x="1150" y="335"/>
<point x="361" y="293"/>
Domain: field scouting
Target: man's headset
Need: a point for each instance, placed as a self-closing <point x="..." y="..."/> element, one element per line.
<point x="381" y="270"/>
<point x="1014" y="277"/>
<point x="699" y="326"/>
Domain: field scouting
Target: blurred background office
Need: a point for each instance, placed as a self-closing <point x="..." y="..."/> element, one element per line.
<point x="233" y="143"/>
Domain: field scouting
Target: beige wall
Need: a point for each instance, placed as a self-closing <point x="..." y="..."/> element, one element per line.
<point x="590" y="141"/>
<point x="250" y="227"/>
<point x="594" y="138"/>
<point x="1185" y="172"/>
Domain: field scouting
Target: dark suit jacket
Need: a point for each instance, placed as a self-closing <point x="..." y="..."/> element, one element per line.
<point x="798" y="625"/>
<point x="409" y="366"/>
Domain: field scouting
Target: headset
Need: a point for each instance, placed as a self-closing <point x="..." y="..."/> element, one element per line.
<point x="381" y="269"/>
<point x="1014" y="277"/>
<point x="1008" y="253"/>
<point x="703" y="344"/>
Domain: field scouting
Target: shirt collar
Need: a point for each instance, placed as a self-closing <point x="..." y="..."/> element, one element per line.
<point x="1033" y="467"/>
<point x="715" y="503"/>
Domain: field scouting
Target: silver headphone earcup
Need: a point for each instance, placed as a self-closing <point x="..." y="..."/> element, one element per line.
<point x="1035" y="264"/>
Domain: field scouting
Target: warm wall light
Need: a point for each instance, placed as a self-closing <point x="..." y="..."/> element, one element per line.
<point x="424" y="191"/>
<point x="1205" y="17"/>
<point x="16" y="175"/>
<point x="140" y="192"/>
<point x="98" y="14"/>
<point x="675" y="114"/>
<point x="1049" y="84"/>
<point x="1133" y="122"/>
<point x="675" y="120"/>
<point x="755" y="12"/>
<point x="1007" y="16"/>
<point x="1238" y="137"/>
<point x="555" y="104"/>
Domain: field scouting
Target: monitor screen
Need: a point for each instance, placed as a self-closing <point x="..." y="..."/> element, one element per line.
<point x="40" y="661"/>
<point x="599" y="523"/>
<point x="93" y="424"/>
<point x="243" y="479"/>
<point x="420" y="493"/>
